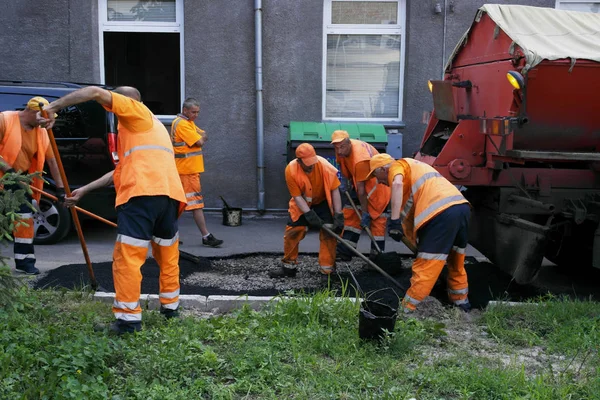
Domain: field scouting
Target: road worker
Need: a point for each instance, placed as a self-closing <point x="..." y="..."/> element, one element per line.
<point x="432" y="213"/>
<point x="314" y="186"/>
<point x="188" y="140"/>
<point x="24" y="147"/>
<point x="353" y="157"/>
<point x="149" y="201"/>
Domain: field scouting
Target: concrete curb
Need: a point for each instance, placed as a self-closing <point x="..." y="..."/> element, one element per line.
<point x="211" y="304"/>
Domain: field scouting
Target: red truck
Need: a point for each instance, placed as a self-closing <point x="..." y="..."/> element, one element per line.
<point x="516" y="124"/>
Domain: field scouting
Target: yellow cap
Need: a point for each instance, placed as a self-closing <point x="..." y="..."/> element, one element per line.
<point x="34" y="104"/>
<point x="338" y="136"/>
<point x="377" y="161"/>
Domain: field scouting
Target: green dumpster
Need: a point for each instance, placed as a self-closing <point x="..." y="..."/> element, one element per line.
<point x="318" y="134"/>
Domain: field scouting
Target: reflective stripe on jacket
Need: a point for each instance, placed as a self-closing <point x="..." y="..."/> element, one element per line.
<point x="329" y="176"/>
<point x="378" y="195"/>
<point x="146" y="166"/>
<point x="11" y="146"/>
<point x="189" y="159"/>
<point x="426" y="193"/>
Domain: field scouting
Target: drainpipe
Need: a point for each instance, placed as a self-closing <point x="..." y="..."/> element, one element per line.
<point x="260" y="136"/>
<point x="444" y="40"/>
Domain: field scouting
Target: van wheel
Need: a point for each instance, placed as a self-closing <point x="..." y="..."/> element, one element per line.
<point x="51" y="222"/>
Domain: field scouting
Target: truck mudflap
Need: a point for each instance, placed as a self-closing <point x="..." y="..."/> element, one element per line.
<point x="515" y="245"/>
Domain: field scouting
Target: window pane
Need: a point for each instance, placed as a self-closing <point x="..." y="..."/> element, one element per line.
<point x="148" y="61"/>
<point x="363" y="76"/>
<point x="583" y="6"/>
<point x="364" y="12"/>
<point x="141" y="10"/>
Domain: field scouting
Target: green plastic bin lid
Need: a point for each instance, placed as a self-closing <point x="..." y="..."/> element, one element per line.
<point x="321" y="131"/>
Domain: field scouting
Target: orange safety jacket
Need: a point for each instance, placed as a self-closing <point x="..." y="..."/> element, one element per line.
<point x="378" y="196"/>
<point x="189" y="159"/>
<point x="426" y="193"/>
<point x="329" y="175"/>
<point x="146" y="165"/>
<point x="11" y="146"/>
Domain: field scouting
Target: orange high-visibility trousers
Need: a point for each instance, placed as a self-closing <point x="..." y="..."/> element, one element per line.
<point x="141" y="221"/>
<point x="352" y="231"/>
<point x="443" y="238"/>
<point x="295" y="231"/>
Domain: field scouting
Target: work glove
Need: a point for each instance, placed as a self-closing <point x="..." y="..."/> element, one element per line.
<point x="338" y="223"/>
<point x="395" y="229"/>
<point x="60" y="195"/>
<point x="313" y="219"/>
<point x="10" y="171"/>
<point x="365" y="220"/>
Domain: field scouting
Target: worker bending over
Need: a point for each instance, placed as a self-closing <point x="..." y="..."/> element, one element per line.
<point x="188" y="140"/>
<point x="430" y="211"/>
<point x="149" y="200"/>
<point x="314" y="186"/>
<point x="24" y="147"/>
<point x="353" y="157"/>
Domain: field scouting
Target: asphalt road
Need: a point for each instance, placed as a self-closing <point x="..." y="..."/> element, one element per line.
<point x="264" y="234"/>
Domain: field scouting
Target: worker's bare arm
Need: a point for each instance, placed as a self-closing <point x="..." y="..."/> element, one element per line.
<point x="397" y="187"/>
<point x="77" y="194"/>
<point x="336" y="199"/>
<point x="54" y="171"/>
<point x="82" y="95"/>
<point x="302" y="204"/>
<point x="361" y="191"/>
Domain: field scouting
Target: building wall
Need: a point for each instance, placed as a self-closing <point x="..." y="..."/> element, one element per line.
<point x="58" y="40"/>
<point x="49" y="40"/>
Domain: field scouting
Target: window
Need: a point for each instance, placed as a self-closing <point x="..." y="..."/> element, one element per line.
<point x="579" y="5"/>
<point x="141" y="45"/>
<point x="363" y="59"/>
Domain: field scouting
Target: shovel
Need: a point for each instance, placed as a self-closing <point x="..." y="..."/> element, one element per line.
<point x="365" y="259"/>
<point x="388" y="261"/>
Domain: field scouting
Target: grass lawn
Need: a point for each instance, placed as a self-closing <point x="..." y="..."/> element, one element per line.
<point x="303" y="348"/>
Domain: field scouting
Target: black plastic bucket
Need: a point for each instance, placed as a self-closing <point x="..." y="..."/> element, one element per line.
<point x="232" y="216"/>
<point x="375" y="317"/>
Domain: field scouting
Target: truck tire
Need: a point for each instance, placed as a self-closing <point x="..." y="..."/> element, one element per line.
<point x="51" y="222"/>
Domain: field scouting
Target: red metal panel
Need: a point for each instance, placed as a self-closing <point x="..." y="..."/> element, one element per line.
<point x="485" y="43"/>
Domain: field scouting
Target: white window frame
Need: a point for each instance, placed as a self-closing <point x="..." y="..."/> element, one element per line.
<point x="365" y="29"/>
<point x="104" y="25"/>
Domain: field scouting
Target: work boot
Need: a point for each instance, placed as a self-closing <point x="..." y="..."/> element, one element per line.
<point x="28" y="269"/>
<point x="168" y="313"/>
<point x="283" y="272"/>
<point x="119" y="327"/>
<point x="211" y="241"/>
<point x="466" y="307"/>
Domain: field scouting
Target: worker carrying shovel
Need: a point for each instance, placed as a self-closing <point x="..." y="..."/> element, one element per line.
<point x="314" y="186"/>
<point x="432" y="213"/>
<point x="353" y="157"/>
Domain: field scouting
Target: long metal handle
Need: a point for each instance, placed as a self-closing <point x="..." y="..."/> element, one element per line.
<point x="81" y="210"/>
<point x="366" y="228"/>
<point x="365" y="259"/>
<point x="63" y="176"/>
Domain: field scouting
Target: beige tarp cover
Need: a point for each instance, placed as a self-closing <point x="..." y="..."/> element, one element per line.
<point x="545" y="33"/>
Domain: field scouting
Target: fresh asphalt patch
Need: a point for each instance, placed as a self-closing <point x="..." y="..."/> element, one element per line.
<point x="246" y="274"/>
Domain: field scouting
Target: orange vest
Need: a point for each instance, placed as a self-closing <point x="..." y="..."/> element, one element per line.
<point x="329" y="175"/>
<point x="426" y="193"/>
<point x="11" y="146"/>
<point x="378" y="196"/>
<point x="189" y="160"/>
<point x="146" y="165"/>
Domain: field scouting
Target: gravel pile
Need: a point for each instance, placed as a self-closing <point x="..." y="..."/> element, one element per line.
<point x="250" y="273"/>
